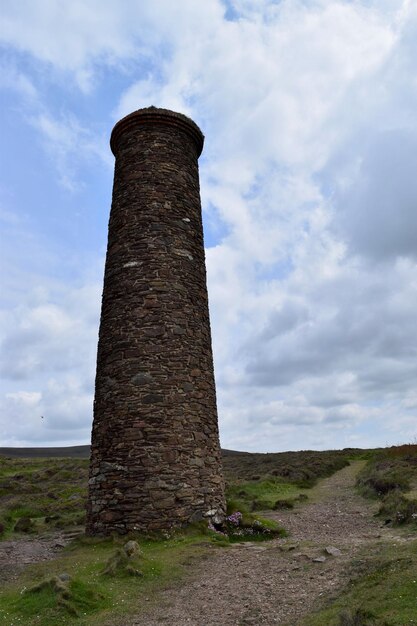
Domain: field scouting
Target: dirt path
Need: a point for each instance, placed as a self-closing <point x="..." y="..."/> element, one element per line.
<point x="276" y="582"/>
<point x="17" y="554"/>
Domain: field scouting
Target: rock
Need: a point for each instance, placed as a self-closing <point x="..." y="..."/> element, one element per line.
<point x="152" y="398"/>
<point x="23" y="525"/>
<point x="142" y="378"/>
<point x="257" y="548"/>
<point x="333" y="551"/>
<point x="131" y="548"/>
<point x="64" y="577"/>
<point x="319" y="559"/>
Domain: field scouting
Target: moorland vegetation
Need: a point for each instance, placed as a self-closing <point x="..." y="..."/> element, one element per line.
<point x="43" y="497"/>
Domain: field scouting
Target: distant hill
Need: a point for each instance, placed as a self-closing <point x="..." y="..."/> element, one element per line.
<point x="305" y="466"/>
<point x="76" y="452"/>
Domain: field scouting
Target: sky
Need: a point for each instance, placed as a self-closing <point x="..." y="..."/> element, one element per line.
<point x="309" y="195"/>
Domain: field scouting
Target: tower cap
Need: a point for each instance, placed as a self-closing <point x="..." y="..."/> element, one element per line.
<point x="163" y="117"/>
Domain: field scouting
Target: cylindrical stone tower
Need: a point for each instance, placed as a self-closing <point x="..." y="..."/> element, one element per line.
<point x="155" y="455"/>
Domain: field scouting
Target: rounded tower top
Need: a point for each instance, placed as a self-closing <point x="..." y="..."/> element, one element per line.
<point x="155" y="116"/>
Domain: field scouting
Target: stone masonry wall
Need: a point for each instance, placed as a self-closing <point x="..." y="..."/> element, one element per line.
<point x="155" y="460"/>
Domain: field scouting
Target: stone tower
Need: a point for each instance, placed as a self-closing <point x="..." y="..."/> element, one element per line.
<point x="155" y="455"/>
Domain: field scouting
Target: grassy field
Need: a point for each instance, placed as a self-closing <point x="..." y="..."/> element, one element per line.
<point x="91" y="596"/>
<point x="49" y="494"/>
<point x="37" y="495"/>
<point x="261" y="482"/>
<point x="382" y="591"/>
<point x="46" y="493"/>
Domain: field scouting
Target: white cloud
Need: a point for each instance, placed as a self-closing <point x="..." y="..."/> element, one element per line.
<point x="48" y="352"/>
<point x="26" y="398"/>
<point x="307" y="179"/>
<point x="11" y="79"/>
<point x="69" y="146"/>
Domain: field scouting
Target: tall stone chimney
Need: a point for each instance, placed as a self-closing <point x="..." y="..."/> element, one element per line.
<point x="155" y="456"/>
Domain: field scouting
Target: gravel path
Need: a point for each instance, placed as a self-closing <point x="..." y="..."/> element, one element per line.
<point x="276" y="582"/>
<point x="16" y="555"/>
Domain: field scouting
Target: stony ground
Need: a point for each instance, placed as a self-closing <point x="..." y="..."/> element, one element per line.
<point x="281" y="581"/>
<point x="16" y="555"/>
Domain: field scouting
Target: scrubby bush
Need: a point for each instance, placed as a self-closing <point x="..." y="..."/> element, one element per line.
<point x="398" y="509"/>
<point x="389" y="476"/>
<point x="302" y="468"/>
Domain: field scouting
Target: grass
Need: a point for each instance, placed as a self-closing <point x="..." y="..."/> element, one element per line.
<point x="94" y="597"/>
<point x="302" y="468"/>
<point x="49" y="492"/>
<point x="261" y="482"/>
<point x="391" y="476"/>
<point x="262" y="495"/>
<point x="382" y="592"/>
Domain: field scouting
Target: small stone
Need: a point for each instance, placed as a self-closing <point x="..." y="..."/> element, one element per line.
<point x="131" y="548"/>
<point x="64" y="577"/>
<point x="197" y="462"/>
<point x="319" y="559"/>
<point x="333" y="551"/>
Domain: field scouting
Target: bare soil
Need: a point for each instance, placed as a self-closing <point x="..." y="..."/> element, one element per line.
<point x="16" y="555"/>
<point x="276" y="582"/>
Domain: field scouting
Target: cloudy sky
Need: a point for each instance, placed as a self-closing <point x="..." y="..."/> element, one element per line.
<point x="309" y="192"/>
